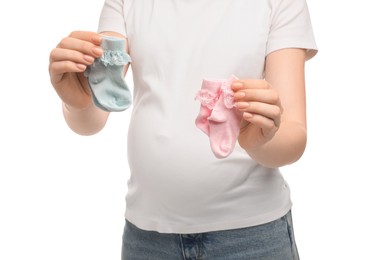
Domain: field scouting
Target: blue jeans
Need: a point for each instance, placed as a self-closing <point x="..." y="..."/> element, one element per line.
<point x="270" y="241"/>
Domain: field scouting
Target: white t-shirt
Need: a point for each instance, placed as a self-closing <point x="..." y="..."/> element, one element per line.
<point x="177" y="185"/>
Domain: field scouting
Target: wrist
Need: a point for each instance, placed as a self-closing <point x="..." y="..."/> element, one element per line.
<point x="85" y="121"/>
<point x="285" y="147"/>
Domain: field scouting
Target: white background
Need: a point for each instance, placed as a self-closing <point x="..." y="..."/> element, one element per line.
<point x="62" y="195"/>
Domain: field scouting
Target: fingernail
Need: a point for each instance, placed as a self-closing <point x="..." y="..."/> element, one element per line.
<point x="247" y="115"/>
<point x="81" y="66"/>
<point x="96" y="38"/>
<point x="239" y="95"/>
<point x="237" y="85"/>
<point x="97" y="50"/>
<point x="88" y="58"/>
<point x="242" y="105"/>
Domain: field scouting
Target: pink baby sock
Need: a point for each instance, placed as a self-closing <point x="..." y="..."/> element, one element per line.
<point x="208" y="96"/>
<point x="224" y="122"/>
<point x="218" y="118"/>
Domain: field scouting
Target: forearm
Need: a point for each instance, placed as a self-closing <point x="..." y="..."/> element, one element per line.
<point x="286" y="147"/>
<point x="87" y="121"/>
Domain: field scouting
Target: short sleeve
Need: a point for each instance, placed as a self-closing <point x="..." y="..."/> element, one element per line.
<point x="291" y="27"/>
<point x="112" y="18"/>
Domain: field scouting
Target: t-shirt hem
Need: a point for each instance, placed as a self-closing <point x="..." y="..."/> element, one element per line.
<point x="116" y="29"/>
<point x="311" y="49"/>
<point x="173" y="228"/>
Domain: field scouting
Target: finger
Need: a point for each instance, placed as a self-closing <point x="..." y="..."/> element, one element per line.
<point x="57" y="69"/>
<point x="80" y="45"/>
<point x="62" y="67"/>
<point x="269" y="96"/>
<point x="59" y="54"/>
<point x="271" y="112"/>
<point x="92" y="37"/>
<point x="64" y="61"/>
<point x="250" y="84"/>
<point x="266" y="125"/>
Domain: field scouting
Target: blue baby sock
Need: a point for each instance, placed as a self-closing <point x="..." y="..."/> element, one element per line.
<point x="105" y="76"/>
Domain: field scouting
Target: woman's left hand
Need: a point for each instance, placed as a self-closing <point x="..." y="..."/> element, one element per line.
<point x="262" y="111"/>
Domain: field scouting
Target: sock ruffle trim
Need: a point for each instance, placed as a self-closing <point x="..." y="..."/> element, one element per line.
<point x="115" y="58"/>
<point x="228" y="95"/>
<point x="209" y="100"/>
<point x="206" y="98"/>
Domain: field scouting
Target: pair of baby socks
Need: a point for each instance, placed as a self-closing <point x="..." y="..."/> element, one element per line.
<point x="105" y="76"/>
<point x="218" y="117"/>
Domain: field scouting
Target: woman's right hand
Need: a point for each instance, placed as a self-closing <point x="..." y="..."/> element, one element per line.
<point x="68" y="62"/>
